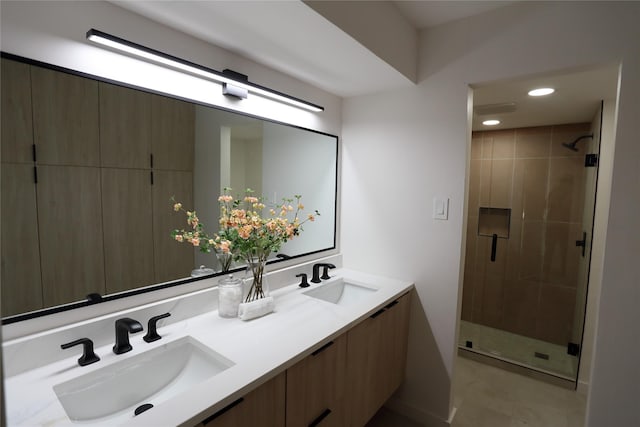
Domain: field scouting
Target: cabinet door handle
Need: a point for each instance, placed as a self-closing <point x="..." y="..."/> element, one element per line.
<point x="377" y="313"/>
<point x="323" y="348"/>
<point x="391" y="304"/>
<point x="223" y="410"/>
<point x="320" y="417"/>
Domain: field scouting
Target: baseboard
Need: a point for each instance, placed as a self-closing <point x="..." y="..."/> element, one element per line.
<point x="582" y="388"/>
<point x="417" y="414"/>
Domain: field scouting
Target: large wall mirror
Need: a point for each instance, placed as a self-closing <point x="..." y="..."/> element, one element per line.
<point x="89" y="168"/>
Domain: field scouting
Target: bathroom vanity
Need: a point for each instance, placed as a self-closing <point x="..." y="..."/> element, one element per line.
<point x="330" y="355"/>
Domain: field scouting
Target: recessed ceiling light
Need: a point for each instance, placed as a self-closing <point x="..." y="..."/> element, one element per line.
<point x="491" y="122"/>
<point x="542" y="91"/>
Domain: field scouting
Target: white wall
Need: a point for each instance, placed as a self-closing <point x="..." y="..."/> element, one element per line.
<point x="401" y="149"/>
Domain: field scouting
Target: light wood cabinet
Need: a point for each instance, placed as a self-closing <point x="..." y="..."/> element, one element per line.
<point x="342" y="383"/>
<point x="65" y="118"/>
<point x="316" y="387"/>
<point x="70" y="231"/>
<point x="21" y="285"/>
<point x="128" y="241"/>
<point x="376" y="359"/>
<point x="171" y="260"/>
<point x="172" y="133"/>
<point x="262" y="407"/>
<point x="17" y="124"/>
<point x="125" y="127"/>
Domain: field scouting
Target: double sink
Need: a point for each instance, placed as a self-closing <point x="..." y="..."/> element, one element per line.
<point x="119" y="391"/>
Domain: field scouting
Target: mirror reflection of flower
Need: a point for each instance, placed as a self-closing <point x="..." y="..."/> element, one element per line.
<point x="246" y="232"/>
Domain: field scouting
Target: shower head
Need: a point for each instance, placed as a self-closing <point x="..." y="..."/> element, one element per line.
<point x="572" y="145"/>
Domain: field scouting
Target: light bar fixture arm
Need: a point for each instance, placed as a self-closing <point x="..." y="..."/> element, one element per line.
<point x="171" y="61"/>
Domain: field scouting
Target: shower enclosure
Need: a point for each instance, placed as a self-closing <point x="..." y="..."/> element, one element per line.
<point x="531" y="204"/>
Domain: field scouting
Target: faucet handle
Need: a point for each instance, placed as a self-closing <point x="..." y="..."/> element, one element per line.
<point x="303" y="283"/>
<point x="325" y="271"/>
<point x="88" y="356"/>
<point x="152" y="333"/>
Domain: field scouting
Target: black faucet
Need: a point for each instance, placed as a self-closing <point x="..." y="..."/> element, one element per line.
<point x="125" y="326"/>
<point x="303" y="282"/>
<point x="88" y="356"/>
<point x="325" y="274"/>
<point x="152" y="328"/>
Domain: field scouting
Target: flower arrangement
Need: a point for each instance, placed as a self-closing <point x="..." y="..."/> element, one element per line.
<point x="246" y="232"/>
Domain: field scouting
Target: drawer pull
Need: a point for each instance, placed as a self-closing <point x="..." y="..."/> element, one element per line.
<point x="223" y="410"/>
<point x="320" y="417"/>
<point x="377" y="313"/>
<point x="391" y="304"/>
<point x="323" y="348"/>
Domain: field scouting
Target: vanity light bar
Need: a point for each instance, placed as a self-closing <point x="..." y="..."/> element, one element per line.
<point x="156" y="56"/>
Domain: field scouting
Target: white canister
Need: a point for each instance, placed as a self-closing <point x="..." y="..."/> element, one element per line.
<point x="229" y="296"/>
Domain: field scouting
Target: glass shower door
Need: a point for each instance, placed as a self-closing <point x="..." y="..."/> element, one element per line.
<point x="531" y="203"/>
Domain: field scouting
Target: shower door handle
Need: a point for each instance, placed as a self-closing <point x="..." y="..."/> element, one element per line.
<point x="494" y="247"/>
<point x="583" y="242"/>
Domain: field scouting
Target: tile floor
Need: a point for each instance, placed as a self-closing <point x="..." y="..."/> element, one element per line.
<point x="491" y="397"/>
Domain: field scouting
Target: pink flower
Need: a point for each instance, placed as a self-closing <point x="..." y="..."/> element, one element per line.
<point x="224" y="246"/>
<point x="311" y="217"/>
<point x="195" y="241"/>
<point x="225" y="198"/>
<point x="179" y="238"/>
<point x="245" y="231"/>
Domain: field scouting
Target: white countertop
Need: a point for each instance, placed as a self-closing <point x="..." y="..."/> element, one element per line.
<point x="260" y="349"/>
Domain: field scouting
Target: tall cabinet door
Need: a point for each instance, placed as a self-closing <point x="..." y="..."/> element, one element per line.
<point x="173" y="260"/>
<point x="376" y="358"/>
<point x="17" y="124"/>
<point x="172" y="133"/>
<point x="70" y="228"/>
<point x="65" y="118"/>
<point x="125" y="127"/>
<point x="128" y="241"/>
<point x="21" y="287"/>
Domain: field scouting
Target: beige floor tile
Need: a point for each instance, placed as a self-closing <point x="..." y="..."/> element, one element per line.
<point x="486" y="396"/>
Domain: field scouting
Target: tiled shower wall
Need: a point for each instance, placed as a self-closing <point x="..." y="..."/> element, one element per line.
<point x="530" y="289"/>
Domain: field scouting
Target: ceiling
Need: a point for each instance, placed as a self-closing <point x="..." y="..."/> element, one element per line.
<point x="426" y="14"/>
<point x="262" y="31"/>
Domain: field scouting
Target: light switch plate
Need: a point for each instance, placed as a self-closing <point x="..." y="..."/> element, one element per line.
<point x="440" y="208"/>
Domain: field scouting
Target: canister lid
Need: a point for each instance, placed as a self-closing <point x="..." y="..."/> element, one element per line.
<point x="230" y="281"/>
<point x="202" y="271"/>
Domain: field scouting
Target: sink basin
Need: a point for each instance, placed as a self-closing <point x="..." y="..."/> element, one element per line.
<point x="151" y="377"/>
<point x="340" y="292"/>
